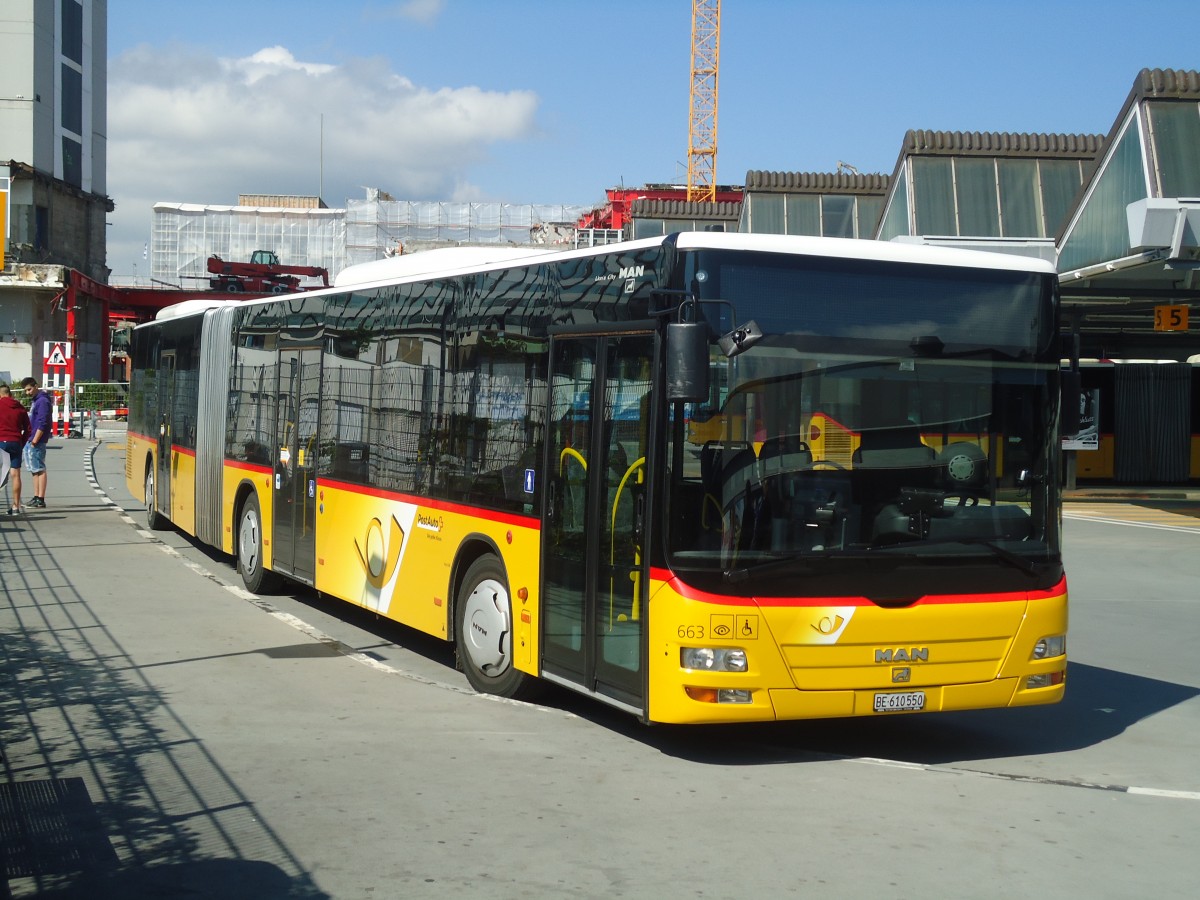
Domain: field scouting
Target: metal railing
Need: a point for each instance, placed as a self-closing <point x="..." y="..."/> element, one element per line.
<point x="95" y="402"/>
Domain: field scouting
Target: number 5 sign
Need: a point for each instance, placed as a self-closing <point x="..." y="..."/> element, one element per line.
<point x="1171" y="318"/>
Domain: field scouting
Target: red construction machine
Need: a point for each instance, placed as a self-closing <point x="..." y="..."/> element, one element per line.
<point x="264" y="274"/>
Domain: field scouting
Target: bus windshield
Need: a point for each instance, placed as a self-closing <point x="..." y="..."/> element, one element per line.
<point x="897" y="414"/>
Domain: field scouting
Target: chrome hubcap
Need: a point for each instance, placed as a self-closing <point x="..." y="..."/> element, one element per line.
<point x="487" y="628"/>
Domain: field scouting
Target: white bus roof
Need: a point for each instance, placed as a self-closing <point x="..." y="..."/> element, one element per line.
<point x="453" y="261"/>
<point x="428" y="261"/>
<point x="459" y="260"/>
<point x="190" y="307"/>
<point x="849" y="248"/>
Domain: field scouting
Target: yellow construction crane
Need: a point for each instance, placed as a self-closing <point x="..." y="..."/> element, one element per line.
<point x="702" y="131"/>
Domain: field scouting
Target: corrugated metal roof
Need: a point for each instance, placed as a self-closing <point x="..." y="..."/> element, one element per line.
<point x="682" y="209"/>
<point x="1181" y="83"/>
<point x="1157" y="84"/>
<point x="993" y="143"/>
<point x="1149" y="85"/>
<point x="816" y="182"/>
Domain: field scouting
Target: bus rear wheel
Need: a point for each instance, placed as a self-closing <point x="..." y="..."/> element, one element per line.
<point x="250" y="549"/>
<point x="155" y="520"/>
<point x="485" y="631"/>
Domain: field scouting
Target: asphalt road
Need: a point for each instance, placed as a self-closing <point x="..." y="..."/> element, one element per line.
<point x="166" y="734"/>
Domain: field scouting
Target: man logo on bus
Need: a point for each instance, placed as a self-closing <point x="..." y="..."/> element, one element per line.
<point x="380" y="557"/>
<point x="902" y="654"/>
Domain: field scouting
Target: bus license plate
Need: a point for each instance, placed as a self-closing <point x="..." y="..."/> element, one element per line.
<point x="909" y="701"/>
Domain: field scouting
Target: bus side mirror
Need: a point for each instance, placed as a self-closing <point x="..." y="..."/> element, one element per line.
<point x="687" y="362"/>
<point x="1071" y="392"/>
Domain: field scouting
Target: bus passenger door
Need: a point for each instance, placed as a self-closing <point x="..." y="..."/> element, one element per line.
<point x="295" y="495"/>
<point x="593" y="536"/>
<point x="166" y="414"/>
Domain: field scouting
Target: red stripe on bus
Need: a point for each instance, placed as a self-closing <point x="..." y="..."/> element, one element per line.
<point x="256" y="468"/>
<point x="691" y="593"/>
<point x="429" y="503"/>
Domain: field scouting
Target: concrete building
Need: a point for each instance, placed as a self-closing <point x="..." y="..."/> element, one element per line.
<point x="53" y="122"/>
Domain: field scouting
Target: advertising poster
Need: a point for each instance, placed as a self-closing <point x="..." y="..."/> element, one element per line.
<point x="1088" y="435"/>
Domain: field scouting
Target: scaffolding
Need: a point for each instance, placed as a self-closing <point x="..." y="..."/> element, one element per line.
<point x="185" y="235"/>
<point x="381" y="227"/>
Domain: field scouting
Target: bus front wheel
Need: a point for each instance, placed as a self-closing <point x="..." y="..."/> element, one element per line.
<point x="250" y="549"/>
<point x="485" y="631"/>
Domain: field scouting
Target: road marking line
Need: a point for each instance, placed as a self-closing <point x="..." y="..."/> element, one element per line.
<point x="1083" y="517"/>
<point x="1158" y="792"/>
<point x="1026" y="779"/>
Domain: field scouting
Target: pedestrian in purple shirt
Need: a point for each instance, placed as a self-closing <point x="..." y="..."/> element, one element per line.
<point x="39" y="436"/>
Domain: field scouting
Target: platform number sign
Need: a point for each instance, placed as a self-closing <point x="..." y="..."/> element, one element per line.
<point x="1171" y="318"/>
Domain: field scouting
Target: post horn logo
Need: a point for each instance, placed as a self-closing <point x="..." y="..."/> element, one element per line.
<point x="380" y="557"/>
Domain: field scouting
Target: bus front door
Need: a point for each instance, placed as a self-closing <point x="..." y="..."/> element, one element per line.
<point x="293" y="536"/>
<point x="593" y="566"/>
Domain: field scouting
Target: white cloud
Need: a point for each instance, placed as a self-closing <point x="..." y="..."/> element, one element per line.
<point x="193" y="128"/>
<point x="269" y="61"/>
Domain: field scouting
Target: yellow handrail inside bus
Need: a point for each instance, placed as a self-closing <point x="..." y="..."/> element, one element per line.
<point x="635" y="576"/>
<point x="570" y="451"/>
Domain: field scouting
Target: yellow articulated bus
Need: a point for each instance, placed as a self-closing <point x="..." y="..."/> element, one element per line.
<point x="504" y="451"/>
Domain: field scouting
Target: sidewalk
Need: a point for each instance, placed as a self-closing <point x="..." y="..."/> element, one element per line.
<point x="105" y="791"/>
<point x="1127" y="493"/>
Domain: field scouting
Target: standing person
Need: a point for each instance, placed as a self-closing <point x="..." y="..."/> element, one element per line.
<point x="14" y="432"/>
<point x="39" y="437"/>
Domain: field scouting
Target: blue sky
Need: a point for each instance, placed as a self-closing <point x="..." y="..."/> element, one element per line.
<point x="552" y="101"/>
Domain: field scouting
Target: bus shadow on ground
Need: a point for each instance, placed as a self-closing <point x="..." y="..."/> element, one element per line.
<point x="1180" y="508"/>
<point x="395" y="639"/>
<point x="1100" y="704"/>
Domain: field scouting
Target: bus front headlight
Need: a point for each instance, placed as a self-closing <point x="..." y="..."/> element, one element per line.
<point x="713" y="659"/>
<point x="1050" y="647"/>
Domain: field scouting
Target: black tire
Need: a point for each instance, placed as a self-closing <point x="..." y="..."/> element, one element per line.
<point x="155" y="520"/>
<point x="484" y="617"/>
<point x="249" y="549"/>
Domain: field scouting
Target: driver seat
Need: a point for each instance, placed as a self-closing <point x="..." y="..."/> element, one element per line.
<point x="893" y="448"/>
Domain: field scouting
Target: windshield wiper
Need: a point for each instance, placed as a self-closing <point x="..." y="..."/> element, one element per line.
<point x="1026" y="565"/>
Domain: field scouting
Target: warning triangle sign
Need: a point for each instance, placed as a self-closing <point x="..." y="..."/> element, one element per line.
<point x="56" y="357"/>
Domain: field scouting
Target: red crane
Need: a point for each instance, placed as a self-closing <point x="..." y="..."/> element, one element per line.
<point x="264" y="274"/>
